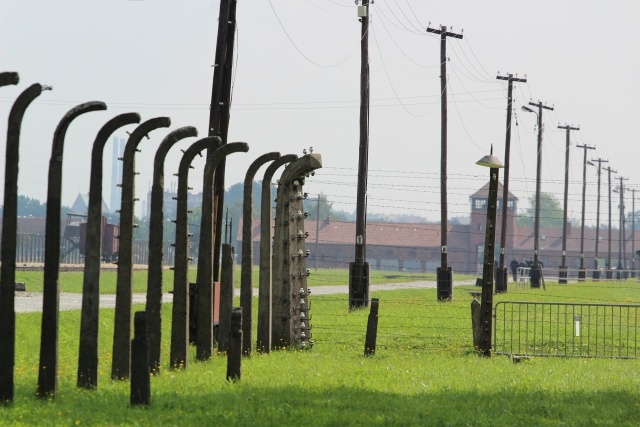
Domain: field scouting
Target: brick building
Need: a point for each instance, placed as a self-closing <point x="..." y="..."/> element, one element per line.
<point x="416" y="247"/>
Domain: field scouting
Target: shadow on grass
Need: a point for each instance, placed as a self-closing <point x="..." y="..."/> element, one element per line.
<point x="243" y="404"/>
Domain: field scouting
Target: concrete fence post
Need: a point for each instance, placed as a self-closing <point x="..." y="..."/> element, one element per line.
<point x="48" y="367"/>
<point x="372" y="329"/>
<point x="140" y="375"/>
<point x="90" y="311"/>
<point x="246" y="284"/>
<point x="226" y="296"/>
<point x="9" y="235"/>
<point x="234" y="354"/>
<point x="266" y="224"/>
<point x="121" y="353"/>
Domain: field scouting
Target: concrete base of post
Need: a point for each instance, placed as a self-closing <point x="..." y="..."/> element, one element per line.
<point x="358" y="285"/>
<point x="502" y="277"/>
<point x="535" y="275"/>
<point x="444" y="284"/>
<point x="562" y="275"/>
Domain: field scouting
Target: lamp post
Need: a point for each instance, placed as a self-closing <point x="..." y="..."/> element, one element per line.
<point x="535" y="272"/>
<point x="486" y="312"/>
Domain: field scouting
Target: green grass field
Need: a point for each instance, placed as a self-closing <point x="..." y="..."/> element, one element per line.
<point x="71" y="281"/>
<point x="425" y="372"/>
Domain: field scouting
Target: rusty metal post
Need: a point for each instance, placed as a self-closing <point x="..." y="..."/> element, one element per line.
<point x="122" y="324"/>
<point x="180" y="315"/>
<point x="48" y="367"/>
<point x="140" y="393"/>
<point x="372" y="329"/>
<point x="88" y="349"/>
<point x="9" y="235"/>
<point x="226" y="296"/>
<point x="206" y="266"/>
<point x="234" y="355"/>
<point x="246" y="285"/>
<point x="156" y="246"/>
<point x="264" y="290"/>
<point x="290" y="304"/>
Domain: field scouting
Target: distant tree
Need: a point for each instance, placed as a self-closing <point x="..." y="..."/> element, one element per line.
<point x="324" y="210"/>
<point x="551" y="213"/>
<point x="31" y="207"/>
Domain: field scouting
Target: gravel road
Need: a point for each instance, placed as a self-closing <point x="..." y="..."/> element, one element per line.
<point x="26" y="302"/>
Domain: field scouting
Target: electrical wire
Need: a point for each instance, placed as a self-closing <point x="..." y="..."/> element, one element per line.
<point x="301" y="52"/>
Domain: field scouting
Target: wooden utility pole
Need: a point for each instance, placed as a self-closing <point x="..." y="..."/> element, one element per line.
<point x="633" y="232"/>
<point x="444" y="274"/>
<point x="609" y="171"/>
<point x="621" y="265"/>
<point x="562" y="274"/>
<point x="596" y="272"/>
<point x="501" y="277"/>
<point x="219" y="117"/>
<point x="359" y="270"/>
<point x="536" y="273"/>
<point x="581" y="272"/>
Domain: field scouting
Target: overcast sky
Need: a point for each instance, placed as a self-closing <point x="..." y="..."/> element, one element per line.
<point x="297" y="85"/>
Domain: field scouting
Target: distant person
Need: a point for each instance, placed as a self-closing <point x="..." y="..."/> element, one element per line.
<point x="514" y="268"/>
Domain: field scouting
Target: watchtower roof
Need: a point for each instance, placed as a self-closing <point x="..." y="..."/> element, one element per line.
<point x="484" y="192"/>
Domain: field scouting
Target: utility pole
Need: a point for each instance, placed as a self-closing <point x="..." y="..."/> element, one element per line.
<point x="359" y="270"/>
<point x="219" y="116"/>
<point x="621" y="265"/>
<point x="562" y="274"/>
<point x="596" y="271"/>
<point x="444" y="274"/>
<point x="317" y="231"/>
<point x="501" y="277"/>
<point x="535" y="272"/>
<point x="581" y="272"/>
<point x="633" y="232"/>
<point x="608" y="274"/>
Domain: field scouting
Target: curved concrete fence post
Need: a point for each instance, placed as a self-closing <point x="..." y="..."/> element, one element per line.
<point x="123" y="318"/>
<point x="180" y="315"/>
<point x="264" y="287"/>
<point x="156" y="241"/>
<point x="8" y="78"/>
<point x="205" y="276"/>
<point x="290" y="316"/>
<point x="206" y="252"/>
<point x="246" y="285"/>
<point x="180" y="311"/>
<point x="89" y="320"/>
<point x="9" y="235"/>
<point x="48" y="368"/>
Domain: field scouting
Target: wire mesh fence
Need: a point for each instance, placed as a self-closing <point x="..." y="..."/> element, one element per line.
<point x="567" y="329"/>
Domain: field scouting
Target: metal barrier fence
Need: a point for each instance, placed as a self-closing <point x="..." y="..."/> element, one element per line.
<point x="566" y="329"/>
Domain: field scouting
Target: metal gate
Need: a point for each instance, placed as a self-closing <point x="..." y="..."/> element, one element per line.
<point x="566" y="329"/>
